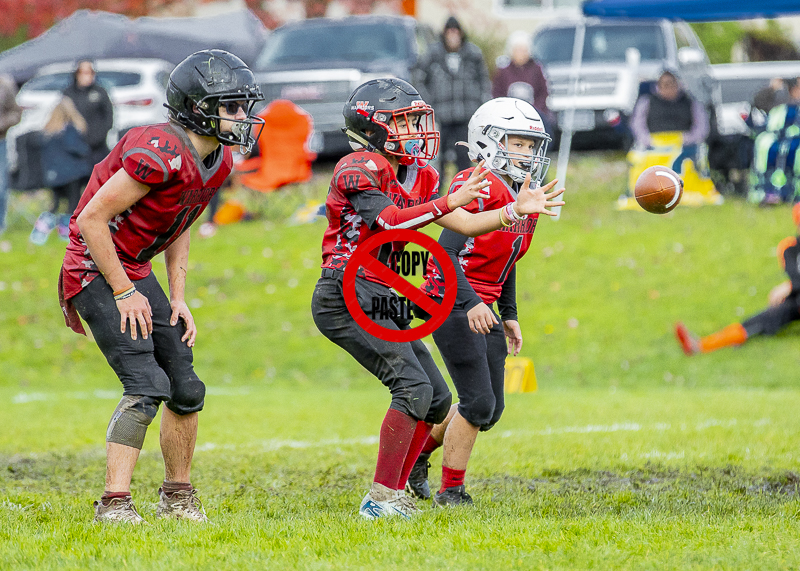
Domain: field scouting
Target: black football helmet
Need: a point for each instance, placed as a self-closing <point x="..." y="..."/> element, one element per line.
<point x="381" y="106"/>
<point x="203" y="82"/>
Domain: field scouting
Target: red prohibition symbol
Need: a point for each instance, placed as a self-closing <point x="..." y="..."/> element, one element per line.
<point x="363" y="257"/>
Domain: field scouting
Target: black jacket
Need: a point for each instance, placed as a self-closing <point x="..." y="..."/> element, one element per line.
<point x="95" y="106"/>
<point x="454" y="95"/>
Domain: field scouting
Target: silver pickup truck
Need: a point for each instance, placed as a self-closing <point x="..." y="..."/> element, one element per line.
<point x="618" y="55"/>
<point x="317" y="63"/>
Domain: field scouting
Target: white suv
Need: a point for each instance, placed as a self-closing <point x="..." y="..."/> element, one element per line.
<point x="136" y="87"/>
<point x="611" y="72"/>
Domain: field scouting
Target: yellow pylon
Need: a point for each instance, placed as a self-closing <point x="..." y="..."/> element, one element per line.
<point x="520" y="376"/>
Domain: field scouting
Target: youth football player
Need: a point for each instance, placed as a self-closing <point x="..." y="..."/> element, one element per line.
<point x="386" y="184"/>
<point x="784" y="305"/>
<point x="141" y="200"/>
<point x="508" y="134"/>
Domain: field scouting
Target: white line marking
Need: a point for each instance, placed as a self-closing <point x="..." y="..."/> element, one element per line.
<point x="24" y="398"/>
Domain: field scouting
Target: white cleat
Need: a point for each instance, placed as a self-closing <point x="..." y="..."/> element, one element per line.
<point x="381" y="501"/>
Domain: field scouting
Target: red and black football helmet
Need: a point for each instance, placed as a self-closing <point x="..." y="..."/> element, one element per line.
<point x="376" y="112"/>
<point x="203" y="82"/>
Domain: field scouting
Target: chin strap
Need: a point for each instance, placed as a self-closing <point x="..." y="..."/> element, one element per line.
<point x="358" y="138"/>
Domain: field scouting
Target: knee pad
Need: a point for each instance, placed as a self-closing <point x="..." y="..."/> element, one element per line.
<point x="413" y="400"/>
<point x="128" y="425"/>
<point x="478" y="412"/>
<point x="188" y="397"/>
<point x="498" y="412"/>
<point x="439" y="409"/>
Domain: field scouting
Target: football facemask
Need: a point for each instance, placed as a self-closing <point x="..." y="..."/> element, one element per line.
<point x="240" y="132"/>
<point x="519" y="165"/>
<point x="412" y="135"/>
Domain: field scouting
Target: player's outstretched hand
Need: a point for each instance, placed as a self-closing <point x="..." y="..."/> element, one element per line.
<point x="779" y="293"/>
<point x="533" y="200"/>
<point x="181" y="310"/>
<point x="475" y="187"/>
<point x="513" y="336"/>
<point x="135" y="309"/>
<point x="481" y="319"/>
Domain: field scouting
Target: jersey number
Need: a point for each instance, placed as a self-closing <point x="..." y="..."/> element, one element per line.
<point x="183" y="220"/>
<point x="515" y="248"/>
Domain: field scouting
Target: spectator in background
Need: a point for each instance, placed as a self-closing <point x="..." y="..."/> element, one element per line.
<point x="65" y="160"/>
<point x="774" y="176"/>
<point x="455" y="81"/>
<point x="669" y="108"/>
<point x="94" y="105"/>
<point x="523" y="77"/>
<point x="10" y="114"/>
<point x="776" y="93"/>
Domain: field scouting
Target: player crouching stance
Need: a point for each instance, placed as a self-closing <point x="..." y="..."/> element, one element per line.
<point x="386" y="185"/>
<point x="509" y="135"/>
<point x="140" y="201"/>
<point x="784" y="305"/>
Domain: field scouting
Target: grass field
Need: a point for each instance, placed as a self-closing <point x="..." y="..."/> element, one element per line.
<point x="630" y="455"/>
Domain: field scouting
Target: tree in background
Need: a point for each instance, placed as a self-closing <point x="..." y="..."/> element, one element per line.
<point x="723" y="39"/>
<point x="29" y="18"/>
<point x="26" y="19"/>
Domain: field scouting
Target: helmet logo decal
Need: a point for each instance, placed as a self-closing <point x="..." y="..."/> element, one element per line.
<point x="216" y="74"/>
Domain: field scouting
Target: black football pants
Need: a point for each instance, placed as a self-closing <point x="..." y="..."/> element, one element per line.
<point x="160" y="366"/>
<point x="407" y="369"/>
<point x="773" y="319"/>
<point x="476" y="364"/>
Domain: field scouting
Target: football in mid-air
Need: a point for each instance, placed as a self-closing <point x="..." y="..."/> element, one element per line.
<point x="658" y="189"/>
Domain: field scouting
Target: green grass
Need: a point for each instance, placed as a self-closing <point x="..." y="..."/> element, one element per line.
<point x="630" y="456"/>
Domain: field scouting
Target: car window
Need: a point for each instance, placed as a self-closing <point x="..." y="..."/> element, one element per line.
<point x="424" y="37"/>
<point x="118" y="78"/>
<point x="60" y="81"/>
<point x="162" y="79"/>
<point x="601" y="43"/>
<point x="741" y="89"/>
<point x="50" y="82"/>
<point x="343" y="42"/>
<point x="681" y="38"/>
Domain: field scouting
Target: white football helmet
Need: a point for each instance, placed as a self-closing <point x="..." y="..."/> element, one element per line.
<point x="489" y="129"/>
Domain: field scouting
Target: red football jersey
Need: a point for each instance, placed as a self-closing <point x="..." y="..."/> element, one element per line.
<point x="162" y="157"/>
<point x="488" y="259"/>
<point x="362" y="171"/>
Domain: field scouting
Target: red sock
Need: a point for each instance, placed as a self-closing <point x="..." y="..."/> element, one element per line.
<point x="170" y="488"/>
<point x="430" y="445"/>
<point x="108" y="496"/>
<point x="397" y="431"/>
<point x="451" y="478"/>
<point x="421" y="435"/>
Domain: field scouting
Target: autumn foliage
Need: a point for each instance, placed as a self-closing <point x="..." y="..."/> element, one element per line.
<point x="35" y="16"/>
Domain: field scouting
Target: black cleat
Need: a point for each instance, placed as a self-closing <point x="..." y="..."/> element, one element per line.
<point x="417" y="485"/>
<point x="455" y="496"/>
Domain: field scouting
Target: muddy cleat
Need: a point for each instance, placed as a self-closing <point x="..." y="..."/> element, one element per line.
<point x="688" y="342"/>
<point x="417" y="485"/>
<point x="455" y="496"/>
<point x="118" y="510"/>
<point x="405" y="503"/>
<point x="181" y="505"/>
<point x="381" y="501"/>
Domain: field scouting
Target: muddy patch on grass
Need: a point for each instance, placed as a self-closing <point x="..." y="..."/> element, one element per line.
<point x="653" y="478"/>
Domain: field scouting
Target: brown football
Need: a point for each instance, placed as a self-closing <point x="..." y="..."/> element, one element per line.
<point x="658" y="189"/>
